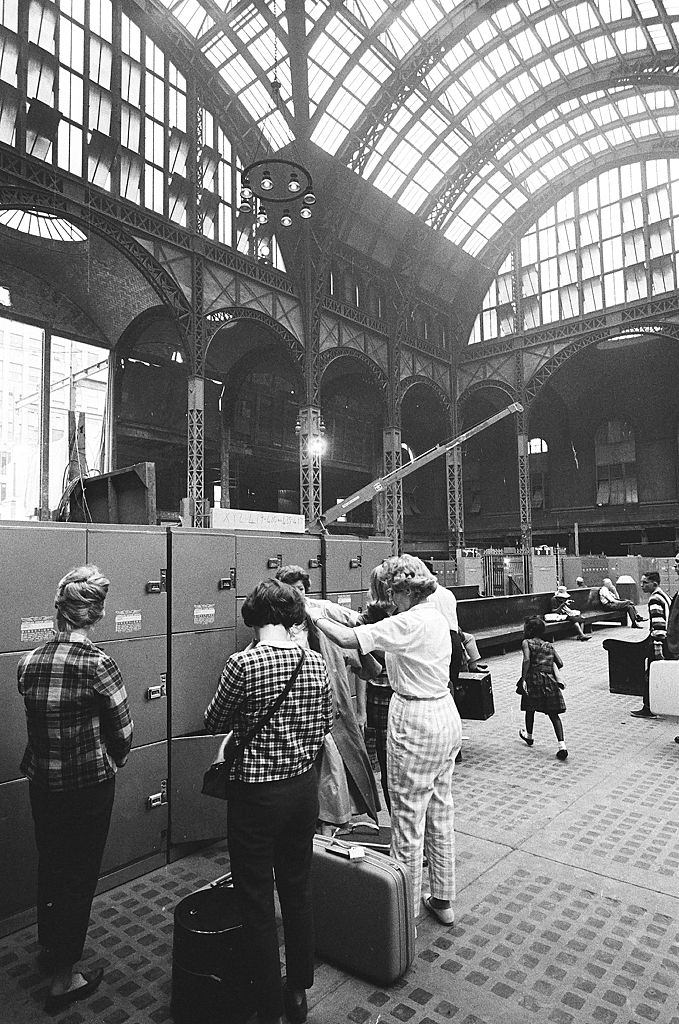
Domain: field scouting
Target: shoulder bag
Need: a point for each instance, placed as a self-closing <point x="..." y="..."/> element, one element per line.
<point x="216" y="778"/>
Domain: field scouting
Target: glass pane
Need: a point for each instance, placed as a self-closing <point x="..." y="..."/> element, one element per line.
<point x="78" y="386"/>
<point x="21" y="356"/>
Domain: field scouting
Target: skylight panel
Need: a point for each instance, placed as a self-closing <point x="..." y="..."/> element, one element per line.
<point x="422" y="16"/>
<point x="503" y="60"/>
<point x="238" y="74"/>
<point x="580" y="18"/>
<point x="504" y="210"/>
<point x="399" y="39"/>
<point x="276" y="130"/>
<point x="371" y="165"/>
<point x="456" y="230"/>
<point x="519" y="164"/>
<point x="527" y="44"/>
<point x="435" y="123"/>
<point x="329" y="134"/>
<point x="615" y="10"/>
<point x="581" y="125"/>
<point x="344" y="34"/>
<point x="480" y="36"/>
<point x="329" y="54"/>
<point x="555" y="167"/>
<point x="507" y="17"/>
<point x="485" y="196"/>
<point x="477" y="121"/>
<point x="367" y="11"/>
<point x="459" y="54"/>
<point x="220" y="51"/>
<point x="498" y="103"/>
<point x="598" y="49"/>
<point x="552" y="30"/>
<point x="375" y="66"/>
<point x="455" y="98"/>
<point x="345" y="107"/>
<point x="477" y="79"/>
<point x="546" y="72"/>
<point x="428" y="176"/>
<point x="249" y="23"/>
<point x="659" y="100"/>
<point x="523" y="86"/>
<point x="193" y="17"/>
<point x="570" y="60"/>
<point x="559" y="136"/>
<point x="619" y="136"/>
<point x="533" y="6"/>
<point x="631" y="105"/>
<point x="400" y="119"/>
<point x="647" y="8"/>
<point x="389" y="179"/>
<point x="669" y="123"/>
<point x="360" y="83"/>
<point x="405" y="156"/>
<point x="537" y="150"/>
<point x="413" y="197"/>
<point x="497" y="179"/>
<point x="385" y="141"/>
<point x="420" y="136"/>
<point x="629" y="40"/>
<point x="435" y="76"/>
<point x="659" y="37"/>
<point x="535" y="181"/>
<point x="477" y="241"/>
<point x="319" y="82"/>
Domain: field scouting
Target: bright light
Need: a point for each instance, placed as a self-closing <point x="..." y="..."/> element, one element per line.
<point x="316" y="445"/>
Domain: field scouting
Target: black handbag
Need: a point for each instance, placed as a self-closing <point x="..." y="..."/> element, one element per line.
<point x="216" y="778"/>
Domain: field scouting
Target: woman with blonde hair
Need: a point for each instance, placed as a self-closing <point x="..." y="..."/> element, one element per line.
<point x="424" y="731"/>
<point x="79" y="734"/>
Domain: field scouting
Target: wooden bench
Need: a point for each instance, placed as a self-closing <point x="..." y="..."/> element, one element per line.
<point x="497" y="622"/>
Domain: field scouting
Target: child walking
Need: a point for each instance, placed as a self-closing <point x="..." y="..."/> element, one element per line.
<point x="540" y="686"/>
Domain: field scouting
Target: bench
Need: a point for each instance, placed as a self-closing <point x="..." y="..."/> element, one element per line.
<point x="497" y="622"/>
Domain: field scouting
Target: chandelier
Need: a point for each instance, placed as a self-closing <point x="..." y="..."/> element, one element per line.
<point x="276" y="183"/>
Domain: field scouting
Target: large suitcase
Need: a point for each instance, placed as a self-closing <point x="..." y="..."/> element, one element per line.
<point x="210" y="978"/>
<point x="627" y="665"/>
<point x="363" y="911"/>
<point x="663" y="687"/>
<point x="473" y="696"/>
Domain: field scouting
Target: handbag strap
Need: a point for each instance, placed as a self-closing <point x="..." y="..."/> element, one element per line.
<point x="274" y="707"/>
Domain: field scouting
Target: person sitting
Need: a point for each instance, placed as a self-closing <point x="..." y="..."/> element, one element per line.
<point x="562" y="605"/>
<point x="610" y="600"/>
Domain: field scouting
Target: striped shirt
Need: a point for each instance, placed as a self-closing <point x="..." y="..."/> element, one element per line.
<point x="658" y="612"/>
<point x="289" y="742"/>
<point x="77" y="714"/>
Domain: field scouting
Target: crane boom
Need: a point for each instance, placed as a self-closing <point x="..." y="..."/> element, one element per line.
<point x="369" y="491"/>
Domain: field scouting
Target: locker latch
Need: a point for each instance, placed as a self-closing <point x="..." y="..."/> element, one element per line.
<point x="157" y="586"/>
<point x="227" y="582"/>
<point x="274" y="563"/>
<point x="154" y="692"/>
<point x="355" y="563"/>
<point x="314" y="563"/>
<point x="157" y="799"/>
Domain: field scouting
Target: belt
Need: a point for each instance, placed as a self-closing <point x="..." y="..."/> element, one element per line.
<point x="410" y="696"/>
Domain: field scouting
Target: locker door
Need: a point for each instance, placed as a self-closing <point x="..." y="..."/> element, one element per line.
<point x="18" y="857"/>
<point x="34" y="558"/>
<point x="373" y="552"/>
<point x="143" y="666"/>
<point x="135" y="561"/>
<point x="343" y="558"/>
<point x="13" y="721"/>
<point x="139" y="820"/>
<point x="197" y="660"/>
<point x="194" y="816"/>
<point x="260" y="555"/>
<point x="203" y="583"/>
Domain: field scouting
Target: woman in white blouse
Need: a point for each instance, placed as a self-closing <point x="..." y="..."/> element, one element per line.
<point x="424" y="729"/>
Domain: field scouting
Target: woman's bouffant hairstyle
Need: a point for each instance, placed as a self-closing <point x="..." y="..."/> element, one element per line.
<point x="293" y="574"/>
<point x="406" y="572"/>
<point x="80" y="597"/>
<point x="379" y="604"/>
<point x="534" y="627"/>
<point x="273" y="603"/>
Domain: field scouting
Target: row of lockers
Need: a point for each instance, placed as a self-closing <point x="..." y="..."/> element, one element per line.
<point x="173" y="618"/>
<point x="163" y="579"/>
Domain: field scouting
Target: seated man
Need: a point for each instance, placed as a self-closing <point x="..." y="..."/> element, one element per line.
<point x="562" y="605"/>
<point x="610" y="600"/>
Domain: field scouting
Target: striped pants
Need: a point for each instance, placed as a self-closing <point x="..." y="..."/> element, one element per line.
<point x="423" y="739"/>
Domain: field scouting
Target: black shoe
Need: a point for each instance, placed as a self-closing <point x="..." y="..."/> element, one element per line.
<point x="55" y="1004"/>
<point x="295" y="1004"/>
<point x="562" y="754"/>
<point x="585" y="637"/>
<point x="676" y="739"/>
<point x="479" y="667"/>
<point x="642" y="713"/>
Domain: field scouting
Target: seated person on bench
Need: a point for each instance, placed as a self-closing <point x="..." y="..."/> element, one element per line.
<point x="562" y="605"/>
<point x="610" y="600"/>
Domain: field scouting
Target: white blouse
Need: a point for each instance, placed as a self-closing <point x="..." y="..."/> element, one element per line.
<point x="417" y="650"/>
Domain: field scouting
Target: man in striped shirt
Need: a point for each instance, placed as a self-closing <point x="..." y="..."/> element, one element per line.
<point x="658" y="612"/>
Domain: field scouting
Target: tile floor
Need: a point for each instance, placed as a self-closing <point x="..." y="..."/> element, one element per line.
<point x="568" y="886"/>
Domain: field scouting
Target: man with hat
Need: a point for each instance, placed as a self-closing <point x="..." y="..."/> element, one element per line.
<point x="562" y="605"/>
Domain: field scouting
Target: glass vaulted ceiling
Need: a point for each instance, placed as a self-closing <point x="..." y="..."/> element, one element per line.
<point x="461" y="111"/>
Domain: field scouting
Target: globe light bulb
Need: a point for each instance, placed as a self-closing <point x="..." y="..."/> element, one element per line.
<point x="267" y="181"/>
<point x="286" y="219"/>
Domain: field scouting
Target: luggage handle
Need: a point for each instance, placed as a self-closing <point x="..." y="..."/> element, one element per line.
<point x="346" y="850"/>
<point x="225" y="881"/>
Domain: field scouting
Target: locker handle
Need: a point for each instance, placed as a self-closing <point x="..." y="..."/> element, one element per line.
<point x="154" y="587"/>
<point x="155" y="692"/>
<point x="315" y="563"/>
<point x="157" y="799"/>
<point x="355" y="563"/>
<point x="274" y="563"/>
<point x="227" y="582"/>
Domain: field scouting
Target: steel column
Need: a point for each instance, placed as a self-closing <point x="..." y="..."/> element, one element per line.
<point x="393" y="495"/>
<point x="310" y="448"/>
<point x="196" y="446"/>
<point x="455" y="501"/>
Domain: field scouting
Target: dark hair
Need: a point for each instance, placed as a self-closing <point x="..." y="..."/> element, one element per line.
<point x="80" y="597"/>
<point x="293" y="574"/>
<point x="534" y="626"/>
<point x="654" y="577"/>
<point x="273" y="603"/>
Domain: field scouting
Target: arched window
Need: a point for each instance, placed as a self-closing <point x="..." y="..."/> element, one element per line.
<point x="616" y="471"/>
<point x="538" y="456"/>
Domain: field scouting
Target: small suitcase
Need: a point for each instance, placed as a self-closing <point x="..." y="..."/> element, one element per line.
<point x="210" y="978"/>
<point x="663" y="687"/>
<point x="473" y="696"/>
<point x="363" y="911"/>
<point x="366" y="833"/>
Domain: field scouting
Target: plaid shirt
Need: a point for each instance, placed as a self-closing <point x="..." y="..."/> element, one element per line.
<point x="78" y="718"/>
<point x="249" y="684"/>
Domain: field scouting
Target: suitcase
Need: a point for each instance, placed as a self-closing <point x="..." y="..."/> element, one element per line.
<point x="473" y="696"/>
<point x="363" y="911"/>
<point x="366" y="833"/>
<point x="627" y="665"/>
<point x="210" y="979"/>
<point x="663" y="687"/>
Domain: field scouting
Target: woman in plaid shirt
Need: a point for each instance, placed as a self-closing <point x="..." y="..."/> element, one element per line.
<point x="79" y="734"/>
<point x="273" y="796"/>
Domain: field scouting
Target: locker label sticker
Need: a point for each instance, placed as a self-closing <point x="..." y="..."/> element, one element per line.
<point x="36" y="629"/>
<point x="344" y="600"/>
<point x="203" y="614"/>
<point x="128" y="621"/>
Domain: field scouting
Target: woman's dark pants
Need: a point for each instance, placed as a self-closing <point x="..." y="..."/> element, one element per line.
<point x="71" y="828"/>
<point x="271" y="827"/>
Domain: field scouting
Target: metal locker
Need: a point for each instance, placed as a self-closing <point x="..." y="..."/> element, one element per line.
<point x="34" y="558"/>
<point x="139" y="820"/>
<point x="355" y="600"/>
<point x="143" y="666"/>
<point x="194" y="817"/>
<point x="13" y="723"/>
<point x="343" y="560"/>
<point x="260" y="555"/>
<point x="203" y="579"/>
<point x="196" y="660"/>
<point x="373" y="552"/>
<point x="18" y="856"/>
<point x="134" y="558"/>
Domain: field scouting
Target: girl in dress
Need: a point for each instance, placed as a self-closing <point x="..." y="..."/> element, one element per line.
<point x="540" y="686"/>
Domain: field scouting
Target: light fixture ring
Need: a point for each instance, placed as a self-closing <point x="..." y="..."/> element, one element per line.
<point x="280" y="193"/>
